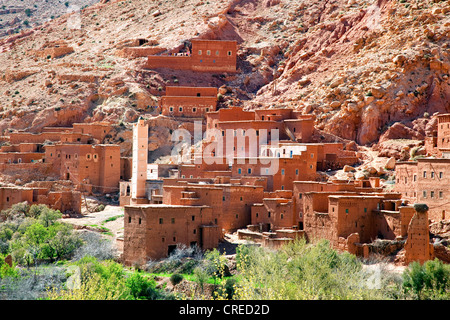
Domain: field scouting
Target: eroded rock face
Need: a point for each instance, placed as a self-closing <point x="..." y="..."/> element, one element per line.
<point x="401" y="131"/>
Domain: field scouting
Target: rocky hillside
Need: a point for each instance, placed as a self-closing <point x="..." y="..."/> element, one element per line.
<point x="16" y="16"/>
<point x="359" y="66"/>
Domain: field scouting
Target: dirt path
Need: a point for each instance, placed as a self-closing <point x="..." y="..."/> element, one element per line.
<point x="98" y="220"/>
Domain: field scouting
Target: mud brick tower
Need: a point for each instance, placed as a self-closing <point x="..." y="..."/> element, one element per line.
<point x="140" y="158"/>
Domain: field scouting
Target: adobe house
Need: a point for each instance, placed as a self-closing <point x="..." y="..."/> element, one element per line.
<point x="443" y="133"/>
<point x="53" y="49"/>
<point x="191" y="102"/>
<point x="97" y="130"/>
<point x="20" y="157"/>
<point x="426" y="181"/>
<point x="338" y="216"/>
<point x="231" y="202"/>
<point x="204" y="56"/>
<point x="256" y="127"/>
<point x="438" y="143"/>
<point x="214" y="55"/>
<point x="204" y="167"/>
<point x="334" y="186"/>
<point x="93" y="168"/>
<point x="66" y="201"/>
<point x="281" y="172"/>
<point x="154" y="231"/>
<point x="275" y="212"/>
<point x="13" y="195"/>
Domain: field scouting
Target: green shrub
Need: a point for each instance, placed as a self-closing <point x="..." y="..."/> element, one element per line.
<point x="176" y="278"/>
<point x="428" y="281"/>
<point x="301" y="271"/>
<point x="141" y="287"/>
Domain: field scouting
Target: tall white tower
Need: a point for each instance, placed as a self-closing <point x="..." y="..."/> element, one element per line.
<point x="140" y="158"/>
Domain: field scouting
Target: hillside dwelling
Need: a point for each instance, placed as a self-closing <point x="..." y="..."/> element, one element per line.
<point x="204" y="56"/>
<point x="93" y="168"/>
<point x="426" y="181"/>
<point x="190" y="102"/>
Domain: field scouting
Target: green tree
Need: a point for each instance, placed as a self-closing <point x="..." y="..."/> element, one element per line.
<point x="427" y="281"/>
<point x="48" y="216"/>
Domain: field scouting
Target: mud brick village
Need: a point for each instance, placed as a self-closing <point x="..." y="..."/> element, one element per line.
<point x="225" y="131"/>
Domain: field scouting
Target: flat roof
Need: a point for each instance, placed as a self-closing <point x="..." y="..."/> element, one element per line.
<point x="173" y="206"/>
<point x="433" y="159"/>
<point x="206" y="40"/>
<point x="356" y="196"/>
